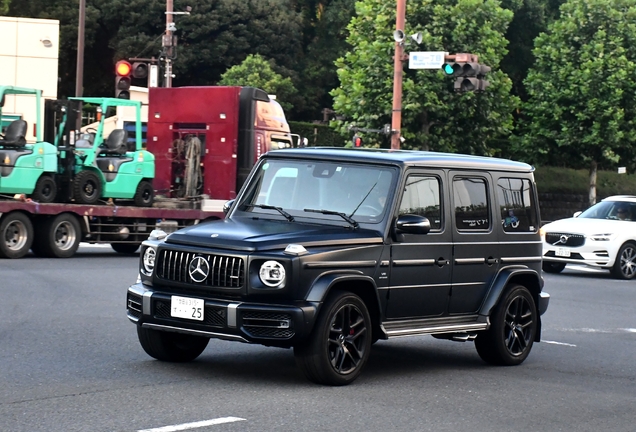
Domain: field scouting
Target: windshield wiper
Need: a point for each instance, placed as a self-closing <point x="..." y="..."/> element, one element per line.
<point x="271" y="207"/>
<point x="363" y="199"/>
<point x="331" y="212"/>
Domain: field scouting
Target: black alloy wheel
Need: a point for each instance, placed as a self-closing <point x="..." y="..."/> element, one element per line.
<point x="513" y="328"/>
<point x="340" y="344"/>
<point x="625" y="264"/>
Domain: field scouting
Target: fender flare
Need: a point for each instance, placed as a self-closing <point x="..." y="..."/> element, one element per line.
<point x="501" y="281"/>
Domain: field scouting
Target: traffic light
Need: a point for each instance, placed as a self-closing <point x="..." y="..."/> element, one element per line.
<point x="469" y="75"/>
<point x="357" y="140"/>
<point x="140" y="70"/>
<point x="123" y="69"/>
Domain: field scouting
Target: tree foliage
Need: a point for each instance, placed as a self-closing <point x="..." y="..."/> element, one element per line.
<point x="255" y="71"/>
<point x="433" y="117"/>
<point x="581" y="87"/>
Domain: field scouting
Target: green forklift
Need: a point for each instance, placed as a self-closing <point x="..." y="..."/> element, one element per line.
<point x="74" y="166"/>
<point x="29" y="169"/>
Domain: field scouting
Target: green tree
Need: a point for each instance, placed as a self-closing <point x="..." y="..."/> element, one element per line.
<point x="257" y="72"/>
<point x="433" y="116"/>
<point x="581" y="110"/>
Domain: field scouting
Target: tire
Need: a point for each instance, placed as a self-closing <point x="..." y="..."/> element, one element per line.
<point x="145" y="194"/>
<point x="16" y="235"/>
<point x="125" y="248"/>
<point x="512" y="331"/>
<point x="625" y="263"/>
<point x="171" y="347"/>
<point x="338" y="348"/>
<point x="87" y="187"/>
<point x="58" y="237"/>
<point x="552" y="267"/>
<point x="45" y="190"/>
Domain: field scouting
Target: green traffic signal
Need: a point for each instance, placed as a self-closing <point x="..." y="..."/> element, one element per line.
<point x="448" y="69"/>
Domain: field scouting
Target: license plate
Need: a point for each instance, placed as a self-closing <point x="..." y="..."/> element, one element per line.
<point x="562" y="252"/>
<point x="186" y="307"/>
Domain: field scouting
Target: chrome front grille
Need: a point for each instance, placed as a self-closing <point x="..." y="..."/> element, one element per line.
<point x="224" y="271"/>
<point x="565" y="239"/>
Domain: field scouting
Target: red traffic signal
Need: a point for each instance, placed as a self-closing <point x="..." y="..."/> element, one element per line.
<point x="357" y="141"/>
<point x="123" y="70"/>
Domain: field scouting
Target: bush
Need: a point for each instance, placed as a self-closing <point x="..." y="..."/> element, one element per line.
<point x="570" y="181"/>
<point x="318" y="135"/>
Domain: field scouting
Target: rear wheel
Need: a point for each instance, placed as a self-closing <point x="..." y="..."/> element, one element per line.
<point x="625" y="264"/>
<point x="16" y="235"/>
<point x="552" y="267"/>
<point x="513" y="328"/>
<point x="125" y="248"/>
<point x="145" y="194"/>
<point x="339" y="346"/>
<point x="45" y="190"/>
<point x="171" y="347"/>
<point x="87" y="187"/>
<point x="58" y="237"/>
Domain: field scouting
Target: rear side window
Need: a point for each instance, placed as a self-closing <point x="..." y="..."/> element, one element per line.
<point x="422" y="197"/>
<point x="470" y="197"/>
<point x="516" y="204"/>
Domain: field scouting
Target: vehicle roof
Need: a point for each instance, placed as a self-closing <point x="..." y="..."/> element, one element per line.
<point x="403" y="158"/>
<point x="627" y="198"/>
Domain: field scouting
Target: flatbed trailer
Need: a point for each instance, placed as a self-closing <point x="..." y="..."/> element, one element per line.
<point x="55" y="230"/>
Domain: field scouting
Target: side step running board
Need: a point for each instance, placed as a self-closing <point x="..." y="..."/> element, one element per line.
<point x="435" y="329"/>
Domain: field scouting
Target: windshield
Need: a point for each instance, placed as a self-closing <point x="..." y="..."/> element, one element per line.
<point x="333" y="191"/>
<point x="615" y="210"/>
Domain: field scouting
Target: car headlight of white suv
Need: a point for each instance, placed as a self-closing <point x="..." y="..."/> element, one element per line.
<point x="602" y="237"/>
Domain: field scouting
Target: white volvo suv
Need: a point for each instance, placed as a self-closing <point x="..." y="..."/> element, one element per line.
<point x="602" y="236"/>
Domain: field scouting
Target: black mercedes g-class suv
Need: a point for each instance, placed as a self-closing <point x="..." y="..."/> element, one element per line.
<point x="329" y="250"/>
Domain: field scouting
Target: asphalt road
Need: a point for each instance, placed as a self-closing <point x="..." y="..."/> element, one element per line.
<point x="70" y="361"/>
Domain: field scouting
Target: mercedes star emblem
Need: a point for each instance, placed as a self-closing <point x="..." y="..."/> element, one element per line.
<point x="199" y="269"/>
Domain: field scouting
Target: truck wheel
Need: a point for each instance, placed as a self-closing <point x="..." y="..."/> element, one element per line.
<point x="16" y="235"/>
<point x="125" y="248"/>
<point x="171" y="347"/>
<point x="58" y="237"/>
<point x="513" y="327"/>
<point x="339" y="345"/>
<point x="552" y="267"/>
<point x="87" y="187"/>
<point x="625" y="263"/>
<point x="45" y="190"/>
<point x="145" y="194"/>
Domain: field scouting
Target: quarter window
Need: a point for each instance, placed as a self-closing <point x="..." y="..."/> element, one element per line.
<point x="422" y="197"/>
<point x="470" y="197"/>
<point x="516" y="203"/>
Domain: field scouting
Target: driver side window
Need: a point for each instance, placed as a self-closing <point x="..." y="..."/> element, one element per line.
<point x="422" y="197"/>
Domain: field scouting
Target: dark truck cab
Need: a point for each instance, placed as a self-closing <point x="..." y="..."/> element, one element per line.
<point x="329" y="250"/>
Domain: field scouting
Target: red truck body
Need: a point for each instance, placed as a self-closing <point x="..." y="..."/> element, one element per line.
<point x="205" y="141"/>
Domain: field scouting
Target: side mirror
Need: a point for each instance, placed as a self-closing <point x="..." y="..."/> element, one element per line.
<point x="577" y="214"/>
<point x="412" y="224"/>
<point x="227" y="206"/>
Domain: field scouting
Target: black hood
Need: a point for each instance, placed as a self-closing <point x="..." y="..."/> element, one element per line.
<point x="260" y="235"/>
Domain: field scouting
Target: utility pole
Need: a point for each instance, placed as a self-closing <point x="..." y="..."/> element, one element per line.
<point x="396" y="118"/>
<point x="79" y="70"/>
<point x="168" y="43"/>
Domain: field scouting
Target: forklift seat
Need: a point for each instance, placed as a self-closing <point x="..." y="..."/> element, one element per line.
<point x="15" y="134"/>
<point x="116" y="142"/>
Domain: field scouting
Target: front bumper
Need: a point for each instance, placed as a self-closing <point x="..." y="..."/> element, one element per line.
<point x="266" y="324"/>
<point x="595" y="255"/>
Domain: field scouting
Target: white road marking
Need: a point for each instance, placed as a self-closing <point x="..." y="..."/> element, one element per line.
<point x="630" y="330"/>
<point x="193" y="425"/>
<point x="557" y="343"/>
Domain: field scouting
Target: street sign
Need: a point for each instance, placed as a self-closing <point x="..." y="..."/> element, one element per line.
<point x="426" y="59"/>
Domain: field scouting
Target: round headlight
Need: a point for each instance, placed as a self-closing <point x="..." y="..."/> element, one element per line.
<point x="148" y="260"/>
<point x="272" y="273"/>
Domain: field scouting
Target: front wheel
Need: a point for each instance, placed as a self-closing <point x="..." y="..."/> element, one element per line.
<point x="16" y="235"/>
<point x="625" y="264"/>
<point x="87" y="187"/>
<point x="513" y="328"/>
<point x="552" y="267"/>
<point x="171" y="347"/>
<point x="339" y="346"/>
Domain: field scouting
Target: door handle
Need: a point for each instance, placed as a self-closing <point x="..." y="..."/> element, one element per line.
<point x="491" y="260"/>
<point x="442" y="262"/>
